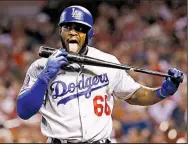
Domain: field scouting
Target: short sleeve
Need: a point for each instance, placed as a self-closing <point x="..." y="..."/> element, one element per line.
<point x="31" y="76"/>
<point x="123" y="85"/>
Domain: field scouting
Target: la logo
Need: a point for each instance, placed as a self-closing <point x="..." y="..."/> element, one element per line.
<point x="77" y="14"/>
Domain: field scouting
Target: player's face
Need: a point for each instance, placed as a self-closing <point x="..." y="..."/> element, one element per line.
<point x="73" y="36"/>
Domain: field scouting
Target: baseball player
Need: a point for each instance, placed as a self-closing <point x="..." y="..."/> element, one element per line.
<point x="76" y="101"/>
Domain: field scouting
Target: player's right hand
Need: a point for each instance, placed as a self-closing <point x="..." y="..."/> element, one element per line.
<point x="55" y="61"/>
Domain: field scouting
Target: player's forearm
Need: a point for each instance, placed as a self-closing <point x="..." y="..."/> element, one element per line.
<point x="29" y="102"/>
<point x="144" y="96"/>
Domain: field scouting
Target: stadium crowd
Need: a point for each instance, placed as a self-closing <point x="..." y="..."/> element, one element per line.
<point x="147" y="34"/>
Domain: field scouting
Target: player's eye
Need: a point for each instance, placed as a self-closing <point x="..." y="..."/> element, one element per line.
<point x="81" y="28"/>
<point x="67" y="26"/>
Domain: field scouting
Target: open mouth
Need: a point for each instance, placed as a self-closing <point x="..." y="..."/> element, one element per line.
<point x="73" y="45"/>
<point x="72" y="41"/>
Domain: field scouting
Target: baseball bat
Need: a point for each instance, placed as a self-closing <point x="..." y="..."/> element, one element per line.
<point x="86" y="60"/>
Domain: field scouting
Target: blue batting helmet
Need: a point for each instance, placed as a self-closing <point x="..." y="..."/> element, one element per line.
<point x="78" y="14"/>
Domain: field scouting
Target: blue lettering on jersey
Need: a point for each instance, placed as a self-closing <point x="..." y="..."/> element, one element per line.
<point x="85" y="87"/>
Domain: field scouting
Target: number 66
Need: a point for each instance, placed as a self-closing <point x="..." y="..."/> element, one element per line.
<point x="100" y="108"/>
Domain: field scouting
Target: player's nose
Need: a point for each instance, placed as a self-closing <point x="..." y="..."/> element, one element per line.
<point x="73" y="32"/>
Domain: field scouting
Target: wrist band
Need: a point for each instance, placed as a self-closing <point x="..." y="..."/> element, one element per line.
<point x="44" y="77"/>
<point x="159" y="94"/>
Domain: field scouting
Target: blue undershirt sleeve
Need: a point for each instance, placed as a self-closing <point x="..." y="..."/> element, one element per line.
<point x="30" y="102"/>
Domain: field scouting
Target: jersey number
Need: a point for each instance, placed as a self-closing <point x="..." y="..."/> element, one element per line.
<point x="100" y="107"/>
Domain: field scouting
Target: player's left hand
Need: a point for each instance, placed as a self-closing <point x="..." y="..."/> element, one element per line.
<point x="170" y="84"/>
<point x="54" y="63"/>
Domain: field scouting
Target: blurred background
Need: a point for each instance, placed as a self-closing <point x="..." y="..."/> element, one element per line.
<point x="144" y="33"/>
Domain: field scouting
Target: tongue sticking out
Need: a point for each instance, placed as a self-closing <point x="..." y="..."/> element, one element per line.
<point x="73" y="47"/>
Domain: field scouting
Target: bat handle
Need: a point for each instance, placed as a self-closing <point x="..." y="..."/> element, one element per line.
<point x="152" y="72"/>
<point x="157" y="73"/>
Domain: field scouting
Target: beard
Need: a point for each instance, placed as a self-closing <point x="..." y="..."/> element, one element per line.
<point x="63" y="44"/>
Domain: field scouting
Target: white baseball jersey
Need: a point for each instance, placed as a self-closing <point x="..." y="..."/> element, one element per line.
<point x="78" y="104"/>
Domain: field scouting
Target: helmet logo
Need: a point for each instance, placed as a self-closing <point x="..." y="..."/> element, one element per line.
<point x="76" y="14"/>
